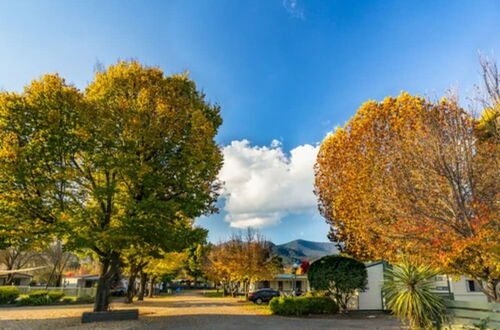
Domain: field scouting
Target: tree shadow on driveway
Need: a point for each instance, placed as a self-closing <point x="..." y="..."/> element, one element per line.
<point x="206" y="322"/>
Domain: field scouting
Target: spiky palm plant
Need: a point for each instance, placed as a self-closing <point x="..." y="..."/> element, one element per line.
<point x="407" y="289"/>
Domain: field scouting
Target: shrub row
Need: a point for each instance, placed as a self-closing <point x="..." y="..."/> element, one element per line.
<point x="8" y="294"/>
<point x="85" y="299"/>
<point x="303" y="305"/>
<point x="41" y="297"/>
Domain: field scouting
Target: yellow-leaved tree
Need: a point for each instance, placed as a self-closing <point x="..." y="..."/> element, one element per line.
<point x="120" y="164"/>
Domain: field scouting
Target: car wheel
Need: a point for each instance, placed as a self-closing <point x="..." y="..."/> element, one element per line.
<point x="258" y="301"/>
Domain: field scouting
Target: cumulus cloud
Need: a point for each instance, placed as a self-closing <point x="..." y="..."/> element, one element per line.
<point x="293" y="8"/>
<point x="264" y="184"/>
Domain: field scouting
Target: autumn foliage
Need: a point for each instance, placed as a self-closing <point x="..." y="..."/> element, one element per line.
<point x="243" y="259"/>
<point x="409" y="177"/>
<point x="124" y="165"/>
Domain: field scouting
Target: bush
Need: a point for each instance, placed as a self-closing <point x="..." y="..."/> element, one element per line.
<point x="55" y="296"/>
<point x="38" y="293"/>
<point x="8" y="294"/>
<point x="37" y="300"/>
<point x="41" y="297"/>
<point x="68" y="299"/>
<point x="342" y="276"/>
<point x="85" y="299"/>
<point x="302" y="305"/>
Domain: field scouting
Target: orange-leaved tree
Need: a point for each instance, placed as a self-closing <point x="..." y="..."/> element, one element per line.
<point x="409" y="177"/>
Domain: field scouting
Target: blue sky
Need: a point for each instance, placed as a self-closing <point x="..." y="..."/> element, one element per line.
<point x="283" y="70"/>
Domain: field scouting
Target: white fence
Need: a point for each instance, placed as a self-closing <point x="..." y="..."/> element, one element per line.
<point x="68" y="291"/>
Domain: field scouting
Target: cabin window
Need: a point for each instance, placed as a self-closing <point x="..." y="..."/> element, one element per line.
<point x="280" y="285"/>
<point x="472" y="286"/>
<point x="299" y="285"/>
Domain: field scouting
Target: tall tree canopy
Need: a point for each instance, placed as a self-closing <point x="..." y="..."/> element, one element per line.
<point x="406" y="176"/>
<point x="123" y="163"/>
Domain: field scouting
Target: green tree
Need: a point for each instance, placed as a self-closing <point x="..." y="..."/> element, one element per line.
<point x="408" y="290"/>
<point x="122" y="163"/>
<point x="341" y="276"/>
<point x="165" y="268"/>
<point x="197" y="257"/>
<point x="143" y="253"/>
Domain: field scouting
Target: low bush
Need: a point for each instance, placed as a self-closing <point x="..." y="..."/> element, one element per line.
<point x="8" y="294"/>
<point x="35" y="301"/>
<point x="68" y="299"/>
<point x="85" y="299"/>
<point x="41" y="297"/>
<point x="55" y="296"/>
<point x="303" y="305"/>
<point x="38" y="293"/>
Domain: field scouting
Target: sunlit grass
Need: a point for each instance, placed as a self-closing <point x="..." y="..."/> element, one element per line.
<point x="262" y="309"/>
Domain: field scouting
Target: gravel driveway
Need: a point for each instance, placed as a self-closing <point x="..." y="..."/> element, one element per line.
<point x="187" y="311"/>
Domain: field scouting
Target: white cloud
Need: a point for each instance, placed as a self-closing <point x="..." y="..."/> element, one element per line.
<point x="263" y="184"/>
<point x="293" y="8"/>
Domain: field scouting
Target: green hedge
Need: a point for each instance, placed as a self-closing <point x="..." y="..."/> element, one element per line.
<point x="303" y="305"/>
<point x="38" y="293"/>
<point x="55" y="296"/>
<point x="41" y="297"/>
<point x="37" y="300"/>
<point x="8" y="294"/>
<point x="86" y="299"/>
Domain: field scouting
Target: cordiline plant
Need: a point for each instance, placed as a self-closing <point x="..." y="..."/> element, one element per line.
<point x="408" y="291"/>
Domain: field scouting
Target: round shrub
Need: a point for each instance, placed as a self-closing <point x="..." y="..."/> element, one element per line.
<point x="8" y="294"/>
<point x="341" y="276"/>
<point x="38" y="293"/>
<point x="322" y="305"/>
<point x="303" y="305"/>
<point x="55" y="296"/>
<point x="275" y="305"/>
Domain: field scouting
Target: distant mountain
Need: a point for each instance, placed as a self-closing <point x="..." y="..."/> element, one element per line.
<point x="303" y="250"/>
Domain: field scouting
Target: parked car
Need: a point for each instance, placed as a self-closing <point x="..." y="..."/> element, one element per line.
<point x="262" y="295"/>
<point x="118" y="292"/>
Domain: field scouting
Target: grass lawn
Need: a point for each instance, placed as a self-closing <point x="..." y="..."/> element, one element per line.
<point x="215" y="294"/>
<point x="262" y="309"/>
<point x="212" y="294"/>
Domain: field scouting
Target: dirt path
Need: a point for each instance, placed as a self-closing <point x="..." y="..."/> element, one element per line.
<point x="186" y="311"/>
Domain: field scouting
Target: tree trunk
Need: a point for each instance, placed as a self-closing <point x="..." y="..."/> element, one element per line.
<point x="109" y="267"/>
<point x="131" y="287"/>
<point x="142" y="286"/>
<point x="493" y="291"/>
<point x="59" y="280"/>
<point x="224" y="289"/>
<point x="151" y="286"/>
<point x="10" y="279"/>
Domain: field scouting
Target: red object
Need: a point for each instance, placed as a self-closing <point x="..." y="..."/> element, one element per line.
<point x="304" y="267"/>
